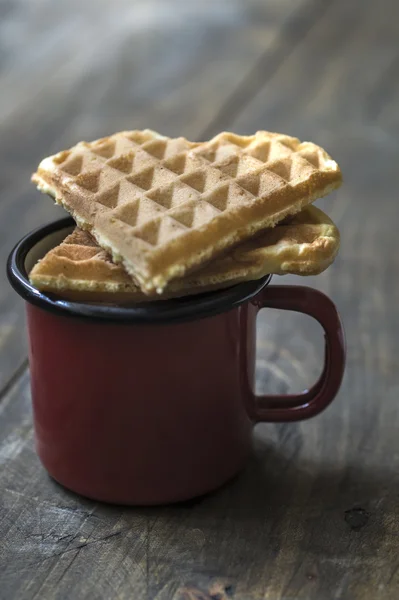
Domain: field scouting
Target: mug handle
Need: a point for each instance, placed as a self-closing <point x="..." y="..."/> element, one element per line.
<point x="310" y="402"/>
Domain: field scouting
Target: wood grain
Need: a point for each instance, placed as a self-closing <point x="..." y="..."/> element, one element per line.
<point x="315" y="514"/>
<point x="164" y="65"/>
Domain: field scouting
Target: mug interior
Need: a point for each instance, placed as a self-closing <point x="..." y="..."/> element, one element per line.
<point x="36" y="244"/>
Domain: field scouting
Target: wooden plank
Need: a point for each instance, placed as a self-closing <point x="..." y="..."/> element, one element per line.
<point x="45" y="529"/>
<point x="343" y="74"/>
<point x="158" y="64"/>
<point x="302" y="521"/>
<point x="314" y="515"/>
<point x="350" y="448"/>
<point x="295" y="30"/>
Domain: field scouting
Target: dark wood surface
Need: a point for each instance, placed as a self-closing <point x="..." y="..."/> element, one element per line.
<point x="316" y="513"/>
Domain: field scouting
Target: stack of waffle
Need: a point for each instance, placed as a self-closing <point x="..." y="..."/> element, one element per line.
<point x="159" y="217"/>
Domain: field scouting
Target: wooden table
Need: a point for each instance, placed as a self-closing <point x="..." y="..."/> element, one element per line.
<point x="316" y="513"/>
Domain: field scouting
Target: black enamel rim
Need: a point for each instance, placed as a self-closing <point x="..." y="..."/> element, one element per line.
<point x="163" y="311"/>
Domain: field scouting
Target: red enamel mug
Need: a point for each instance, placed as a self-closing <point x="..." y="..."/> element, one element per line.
<point x="154" y="403"/>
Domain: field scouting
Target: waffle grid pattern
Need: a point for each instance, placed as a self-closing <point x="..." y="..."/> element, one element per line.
<point x="161" y="188"/>
<point x="305" y="244"/>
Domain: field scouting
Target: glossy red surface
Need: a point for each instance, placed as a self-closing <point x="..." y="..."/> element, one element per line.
<point x="142" y="414"/>
<point x="138" y="414"/>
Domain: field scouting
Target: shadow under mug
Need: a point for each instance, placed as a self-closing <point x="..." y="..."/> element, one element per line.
<point x="154" y="403"/>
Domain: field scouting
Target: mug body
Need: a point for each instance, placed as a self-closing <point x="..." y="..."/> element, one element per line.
<point x="154" y="403"/>
<point x="140" y="414"/>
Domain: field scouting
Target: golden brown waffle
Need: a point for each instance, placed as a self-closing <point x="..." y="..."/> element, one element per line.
<point x="164" y="207"/>
<point x="79" y="269"/>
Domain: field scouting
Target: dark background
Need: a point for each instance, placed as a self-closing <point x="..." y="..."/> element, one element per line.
<point x="315" y="515"/>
